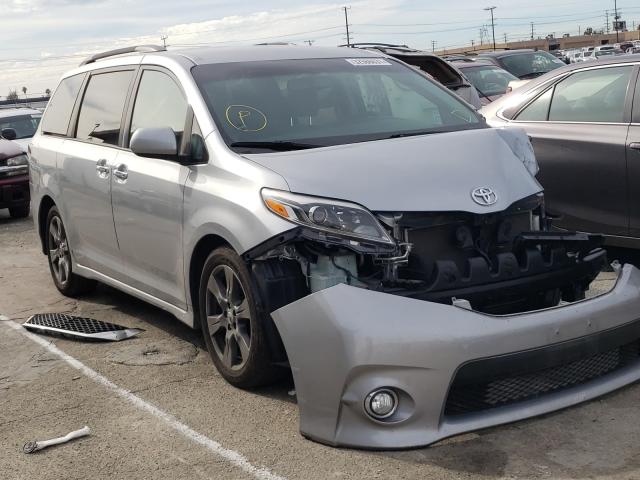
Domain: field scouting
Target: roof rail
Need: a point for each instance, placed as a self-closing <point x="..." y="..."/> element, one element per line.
<point x="120" y="51"/>
<point x="373" y="44"/>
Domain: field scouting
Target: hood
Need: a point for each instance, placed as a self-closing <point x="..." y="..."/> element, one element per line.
<point x="24" y="143"/>
<point x="9" y="149"/>
<point x="434" y="172"/>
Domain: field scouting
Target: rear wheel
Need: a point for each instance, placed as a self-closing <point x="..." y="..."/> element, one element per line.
<point x="21" y="211"/>
<point x="59" y="255"/>
<point x="233" y="328"/>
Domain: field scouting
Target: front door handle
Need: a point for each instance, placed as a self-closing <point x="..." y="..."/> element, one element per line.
<point x="121" y="173"/>
<point x="102" y="169"/>
<point x="634" y="146"/>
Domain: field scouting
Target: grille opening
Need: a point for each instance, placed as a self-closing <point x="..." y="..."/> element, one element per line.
<point x="493" y="391"/>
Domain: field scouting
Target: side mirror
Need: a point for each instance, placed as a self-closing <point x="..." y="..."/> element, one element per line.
<point x="9" y="133"/>
<point x="154" y="142"/>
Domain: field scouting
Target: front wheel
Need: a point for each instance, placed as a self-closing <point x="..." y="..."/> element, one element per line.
<point x="59" y="255"/>
<point x="231" y="322"/>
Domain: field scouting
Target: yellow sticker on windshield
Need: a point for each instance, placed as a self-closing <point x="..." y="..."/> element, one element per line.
<point x="245" y="118"/>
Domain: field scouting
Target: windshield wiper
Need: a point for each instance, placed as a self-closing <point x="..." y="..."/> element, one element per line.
<point x="278" y="145"/>
<point x="528" y="76"/>
<point x="414" y="134"/>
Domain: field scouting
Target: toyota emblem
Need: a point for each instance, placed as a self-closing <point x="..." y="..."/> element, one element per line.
<point x="484" y="196"/>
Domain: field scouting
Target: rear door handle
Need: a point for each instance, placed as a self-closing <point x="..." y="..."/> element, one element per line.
<point x="634" y="146"/>
<point x="121" y="173"/>
<point x="102" y="169"/>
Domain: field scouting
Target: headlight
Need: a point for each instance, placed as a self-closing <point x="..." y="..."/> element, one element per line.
<point x="18" y="161"/>
<point x="330" y="216"/>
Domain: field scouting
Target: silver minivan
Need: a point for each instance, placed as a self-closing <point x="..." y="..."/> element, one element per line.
<point x="337" y="213"/>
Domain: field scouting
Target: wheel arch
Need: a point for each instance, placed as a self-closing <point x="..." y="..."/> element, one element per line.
<point x="46" y="203"/>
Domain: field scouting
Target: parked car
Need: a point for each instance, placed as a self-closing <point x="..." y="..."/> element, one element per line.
<point x="14" y="179"/>
<point x="19" y="124"/>
<point x="431" y="64"/>
<point x="587" y="141"/>
<point x="335" y="211"/>
<point x="524" y="64"/>
<point x="489" y="80"/>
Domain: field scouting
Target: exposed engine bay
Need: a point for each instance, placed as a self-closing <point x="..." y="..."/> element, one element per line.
<point x="499" y="263"/>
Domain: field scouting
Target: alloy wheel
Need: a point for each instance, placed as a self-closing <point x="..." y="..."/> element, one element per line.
<point x="59" y="251"/>
<point x="228" y="317"/>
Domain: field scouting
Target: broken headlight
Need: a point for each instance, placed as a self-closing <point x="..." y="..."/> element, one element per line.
<point x="326" y="215"/>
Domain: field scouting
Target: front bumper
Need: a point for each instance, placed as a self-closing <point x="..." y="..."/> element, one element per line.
<point x="344" y="342"/>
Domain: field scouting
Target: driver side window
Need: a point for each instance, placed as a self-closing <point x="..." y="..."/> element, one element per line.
<point x="159" y="103"/>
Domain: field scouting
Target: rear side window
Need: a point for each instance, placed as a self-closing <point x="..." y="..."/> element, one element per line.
<point x="100" y="116"/>
<point x="58" y="114"/>
<point x="159" y="103"/>
<point x="592" y="96"/>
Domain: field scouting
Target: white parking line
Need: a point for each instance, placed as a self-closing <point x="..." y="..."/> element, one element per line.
<point x="231" y="456"/>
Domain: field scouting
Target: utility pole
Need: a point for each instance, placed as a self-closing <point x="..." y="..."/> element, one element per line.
<point x="616" y="20"/>
<point x="346" y="25"/>
<point x="505" y="39"/>
<point x="606" y="12"/>
<point x="493" y="25"/>
<point x="433" y="45"/>
<point x="579" y="30"/>
<point x="310" y="42"/>
<point x="164" y="40"/>
<point x="473" y="44"/>
<point x="532" y="31"/>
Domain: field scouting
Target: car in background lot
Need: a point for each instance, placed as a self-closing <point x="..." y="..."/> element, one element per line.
<point x="524" y="64"/>
<point x="14" y="179"/>
<point x="584" y="121"/>
<point x="431" y="64"/>
<point x="489" y="80"/>
<point x="19" y="124"/>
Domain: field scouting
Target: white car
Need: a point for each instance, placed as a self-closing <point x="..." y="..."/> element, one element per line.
<point x="19" y="125"/>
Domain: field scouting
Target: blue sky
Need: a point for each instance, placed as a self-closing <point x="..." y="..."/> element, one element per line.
<point x="40" y="39"/>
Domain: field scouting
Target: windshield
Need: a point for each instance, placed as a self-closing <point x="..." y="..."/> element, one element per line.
<point x="291" y="104"/>
<point x="24" y="125"/>
<point x="530" y="64"/>
<point x="604" y="53"/>
<point x="489" y="80"/>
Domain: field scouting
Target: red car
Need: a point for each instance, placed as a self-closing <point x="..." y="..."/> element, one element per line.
<point x="14" y="179"/>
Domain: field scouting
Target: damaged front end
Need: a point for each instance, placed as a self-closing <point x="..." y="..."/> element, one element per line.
<point x="500" y="262"/>
<point x="403" y="328"/>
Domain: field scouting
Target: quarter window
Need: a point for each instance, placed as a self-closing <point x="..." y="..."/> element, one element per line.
<point x="591" y="96"/>
<point x="58" y="114"/>
<point x="537" y="110"/>
<point x="159" y="103"/>
<point x="102" y="106"/>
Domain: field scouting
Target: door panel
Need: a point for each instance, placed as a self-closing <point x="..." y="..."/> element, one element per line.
<point x="147" y="212"/>
<point x="583" y="171"/>
<point x="633" y="162"/>
<point x="85" y="199"/>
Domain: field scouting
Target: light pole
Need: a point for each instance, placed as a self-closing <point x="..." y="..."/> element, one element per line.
<point x="493" y="26"/>
<point x="616" y="20"/>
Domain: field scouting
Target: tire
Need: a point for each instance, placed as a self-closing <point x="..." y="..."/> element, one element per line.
<point x="232" y="324"/>
<point x="59" y="256"/>
<point x="19" y="212"/>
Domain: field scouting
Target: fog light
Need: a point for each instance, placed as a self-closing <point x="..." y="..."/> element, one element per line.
<point x="381" y="403"/>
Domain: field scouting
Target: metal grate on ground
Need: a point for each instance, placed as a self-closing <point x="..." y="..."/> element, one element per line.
<point x="78" y="327"/>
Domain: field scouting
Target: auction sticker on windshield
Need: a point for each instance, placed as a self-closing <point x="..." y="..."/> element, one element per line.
<point x="367" y="61"/>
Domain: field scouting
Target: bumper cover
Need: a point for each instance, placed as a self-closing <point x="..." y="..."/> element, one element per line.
<point x="344" y="342"/>
<point x="14" y="191"/>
